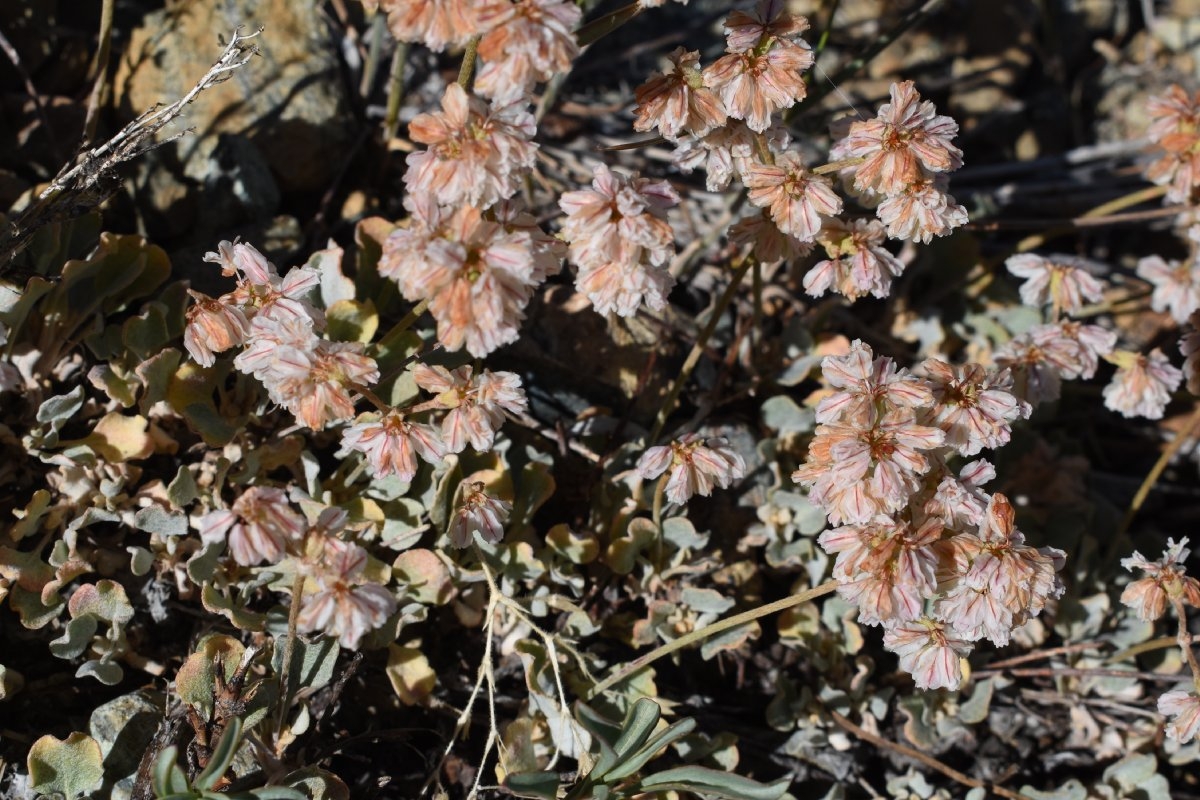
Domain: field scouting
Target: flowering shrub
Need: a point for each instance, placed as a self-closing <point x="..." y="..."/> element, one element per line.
<point x="520" y="436"/>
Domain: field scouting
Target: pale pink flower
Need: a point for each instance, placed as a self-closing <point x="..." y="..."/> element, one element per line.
<point x="260" y="526"/>
<point x="927" y="651"/>
<point x="243" y="261"/>
<point x="885" y="567"/>
<point x="1060" y="281"/>
<point x="1165" y="580"/>
<point x="527" y="42"/>
<point x="696" y="465"/>
<point x="770" y="19"/>
<point x="1176" y="286"/>
<point x="856" y="472"/>
<point x="1042" y="357"/>
<point x="269" y="339"/>
<point x="434" y="23"/>
<point x="1175" y="127"/>
<point x="620" y="239"/>
<point x="867" y="385"/>
<point x="391" y="444"/>
<point x="316" y="386"/>
<point x="345" y="605"/>
<point x="858" y="263"/>
<point x="547" y="251"/>
<point x="261" y="291"/>
<point x="958" y="501"/>
<point x="476" y="403"/>
<point x="727" y="152"/>
<point x="477" y="276"/>
<point x="213" y="326"/>
<point x="480" y="513"/>
<point x="921" y="211"/>
<point x="477" y="155"/>
<point x="676" y="102"/>
<point x="797" y="199"/>
<point x="906" y="143"/>
<point x="1185" y="708"/>
<point x="1142" y="385"/>
<point x="973" y="405"/>
<point x="754" y="84"/>
<point x="1093" y="343"/>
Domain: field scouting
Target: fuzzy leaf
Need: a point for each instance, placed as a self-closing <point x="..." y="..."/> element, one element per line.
<point x="411" y="676"/>
<point x="107" y="672"/>
<point x="352" y="321"/>
<point x="77" y="635"/>
<point x="105" y="599"/>
<point x="156" y="519"/>
<point x="714" y="783"/>
<point x="427" y="576"/>
<point x="73" y="767"/>
<point x="119" y="438"/>
<point x="57" y="410"/>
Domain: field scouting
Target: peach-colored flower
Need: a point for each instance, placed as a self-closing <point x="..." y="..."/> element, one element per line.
<point x="867" y="385"/>
<point x="1184" y="706"/>
<point x="620" y="240"/>
<point x="477" y="155"/>
<point x="973" y="405"/>
<point x="858" y="263"/>
<point x="259" y="527"/>
<point x="769" y="245"/>
<point x="271" y="337"/>
<point x="480" y="513"/>
<point x="906" y="142"/>
<point x="1175" y="127"/>
<point x="697" y="465"/>
<point x="476" y="403"/>
<point x="1046" y="354"/>
<point x="391" y="444"/>
<point x="1142" y="385"/>
<point x="527" y="41"/>
<point x="1061" y="281"/>
<point x="797" y="199"/>
<point x="434" y="23"/>
<point x="770" y="19"/>
<point x="345" y="605"/>
<point x="678" y="101"/>
<point x="921" y="211"/>
<point x="753" y="85"/>
<point x="727" y="152"/>
<point x="213" y="326"/>
<point x="316" y="385"/>
<point x="1176" y="285"/>
<point x="927" y="651"/>
<point x="1165" y="580"/>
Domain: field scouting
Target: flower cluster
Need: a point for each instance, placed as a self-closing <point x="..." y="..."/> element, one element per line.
<point x="1175" y="129"/>
<point x="926" y="553"/>
<point x="696" y="465"/>
<point x="272" y="319"/>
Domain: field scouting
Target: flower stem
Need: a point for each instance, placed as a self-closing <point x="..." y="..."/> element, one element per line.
<point x="289" y="650"/>
<point x="656" y="515"/>
<point x="698" y="348"/>
<point x="468" y="63"/>
<point x="391" y="122"/>
<point x="638" y="664"/>
<point x="605" y="25"/>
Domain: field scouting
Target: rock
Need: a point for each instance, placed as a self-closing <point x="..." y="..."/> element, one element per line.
<point x="124" y="727"/>
<point x="288" y="102"/>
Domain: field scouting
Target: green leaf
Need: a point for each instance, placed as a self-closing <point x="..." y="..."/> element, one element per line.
<point x="107" y="672"/>
<point x="538" y="785"/>
<point x="650" y="749"/>
<point x="352" y="321"/>
<point x="156" y="519"/>
<point x="637" y="728"/>
<point x="312" y="662"/>
<point x="222" y="756"/>
<point x="278" y="793"/>
<point x="167" y="778"/>
<point x="77" y="634"/>
<point x="57" y="410"/>
<point x="73" y="768"/>
<point x="702" y="780"/>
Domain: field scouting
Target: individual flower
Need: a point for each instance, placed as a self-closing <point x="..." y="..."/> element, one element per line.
<point x="905" y="143"/>
<point x="1046" y="354"/>
<point x="620" y="239"/>
<point x="1060" y="281"/>
<point x="957" y="501"/>
<point x="921" y="211"/>
<point x="866" y="384"/>
<point x="316" y="386"/>
<point x="769" y="20"/>
<point x="1184" y="707"/>
<point x="1165" y="581"/>
<point x="480" y="513"/>
<point x="345" y="605"/>
<point x="434" y="23"/>
<point x="973" y="405"/>
<point x="797" y="199"/>
<point x="678" y="101"/>
<point x="696" y="464"/>
<point x="1142" y="384"/>
<point x="477" y="276"/>
<point x="858" y="263"/>
<point x="769" y="244"/>
<point x="929" y="652"/>
<point x="476" y="403"/>
<point x="527" y="41"/>
<point x="213" y="326"/>
<point x="1176" y="285"/>
<point x="754" y="83"/>
<point x="269" y="339"/>
<point x="259" y="527"/>
<point x="885" y="567"/>
<point x="1175" y="127"/>
<point x="547" y="251"/>
<point x="392" y="443"/>
<point x="476" y="155"/>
